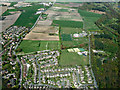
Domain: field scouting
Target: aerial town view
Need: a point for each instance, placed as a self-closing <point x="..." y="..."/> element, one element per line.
<point x="50" y="45"/>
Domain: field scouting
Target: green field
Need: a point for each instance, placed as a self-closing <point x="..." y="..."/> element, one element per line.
<point x="64" y="23"/>
<point x="66" y="37"/>
<point x="7" y="12"/>
<point x="33" y="46"/>
<point x="28" y="17"/>
<point x="72" y="58"/>
<point x="89" y="19"/>
<point x="74" y="41"/>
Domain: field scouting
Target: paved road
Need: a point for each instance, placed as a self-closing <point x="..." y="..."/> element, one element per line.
<point x="95" y="83"/>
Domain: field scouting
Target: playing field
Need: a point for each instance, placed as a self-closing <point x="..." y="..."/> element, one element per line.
<point x="33" y="46"/>
<point x="89" y="19"/>
<point x="72" y="58"/>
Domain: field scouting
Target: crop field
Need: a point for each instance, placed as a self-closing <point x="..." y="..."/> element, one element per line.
<point x="66" y="37"/>
<point x="59" y="13"/>
<point x="28" y="17"/>
<point x="73" y="41"/>
<point x="67" y="30"/>
<point x="10" y="20"/>
<point x="8" y="12"/>
<point x="28" y="46"/>
<point x="72" y="58"/>
<point x="44" y="23"/>
<point x="2" y="9"/>
<point x="89" y="19"/>
<point x="60" y="5"/>
<point x="43" y="33"/>
<point x="64" y="23"/>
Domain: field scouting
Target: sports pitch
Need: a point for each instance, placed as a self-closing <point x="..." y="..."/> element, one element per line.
<point x="28" y="46"/>
<point x="72" y="58"/>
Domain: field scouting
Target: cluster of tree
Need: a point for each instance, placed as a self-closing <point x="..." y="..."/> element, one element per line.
<point x="107" y="36"/>
<point x="18" y="50"/>
<point x="103" y="8"/>
<point x="107" y="75"/>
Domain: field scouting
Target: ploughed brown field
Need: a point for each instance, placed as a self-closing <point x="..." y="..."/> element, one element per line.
<point x="44" y="33"/>
<point x="55" y="13"/>
<point x="9" y="20"/>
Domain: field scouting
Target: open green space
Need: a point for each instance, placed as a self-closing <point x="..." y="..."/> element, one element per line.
<point x="89" y="19"/>
<point x="64" y="23"/>
<point x="28" y="17"/>
<point x="8" y="12"/>
<point x="68" y="42"/>
<point x="72" y="58"/>
<point x="28" y="46"/>
<point x="66" y="37"/>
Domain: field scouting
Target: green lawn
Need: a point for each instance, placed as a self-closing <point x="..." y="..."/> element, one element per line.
<point x="33" y="46"/>
<point x="89" y="19"/>
<point x="72" y="58"/>
<point x="28" y="17"/>
<point x="64" y="23"/>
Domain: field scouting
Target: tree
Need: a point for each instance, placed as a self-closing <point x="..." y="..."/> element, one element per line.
<point x="13" y="57"/>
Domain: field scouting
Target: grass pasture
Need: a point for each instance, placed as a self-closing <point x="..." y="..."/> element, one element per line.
<point x="89" y="19"/>
<point x="28" y="46"/>
<point x="64" y="23"/>
<point x="72" y="58"/>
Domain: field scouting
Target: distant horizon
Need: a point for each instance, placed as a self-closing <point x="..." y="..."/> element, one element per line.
<point x="60" y="0"/>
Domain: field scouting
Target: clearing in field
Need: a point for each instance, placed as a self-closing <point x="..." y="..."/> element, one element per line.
<point x="72" y="58"/>
<point x="28" y="46"/>
<point x="43" y="33"/>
